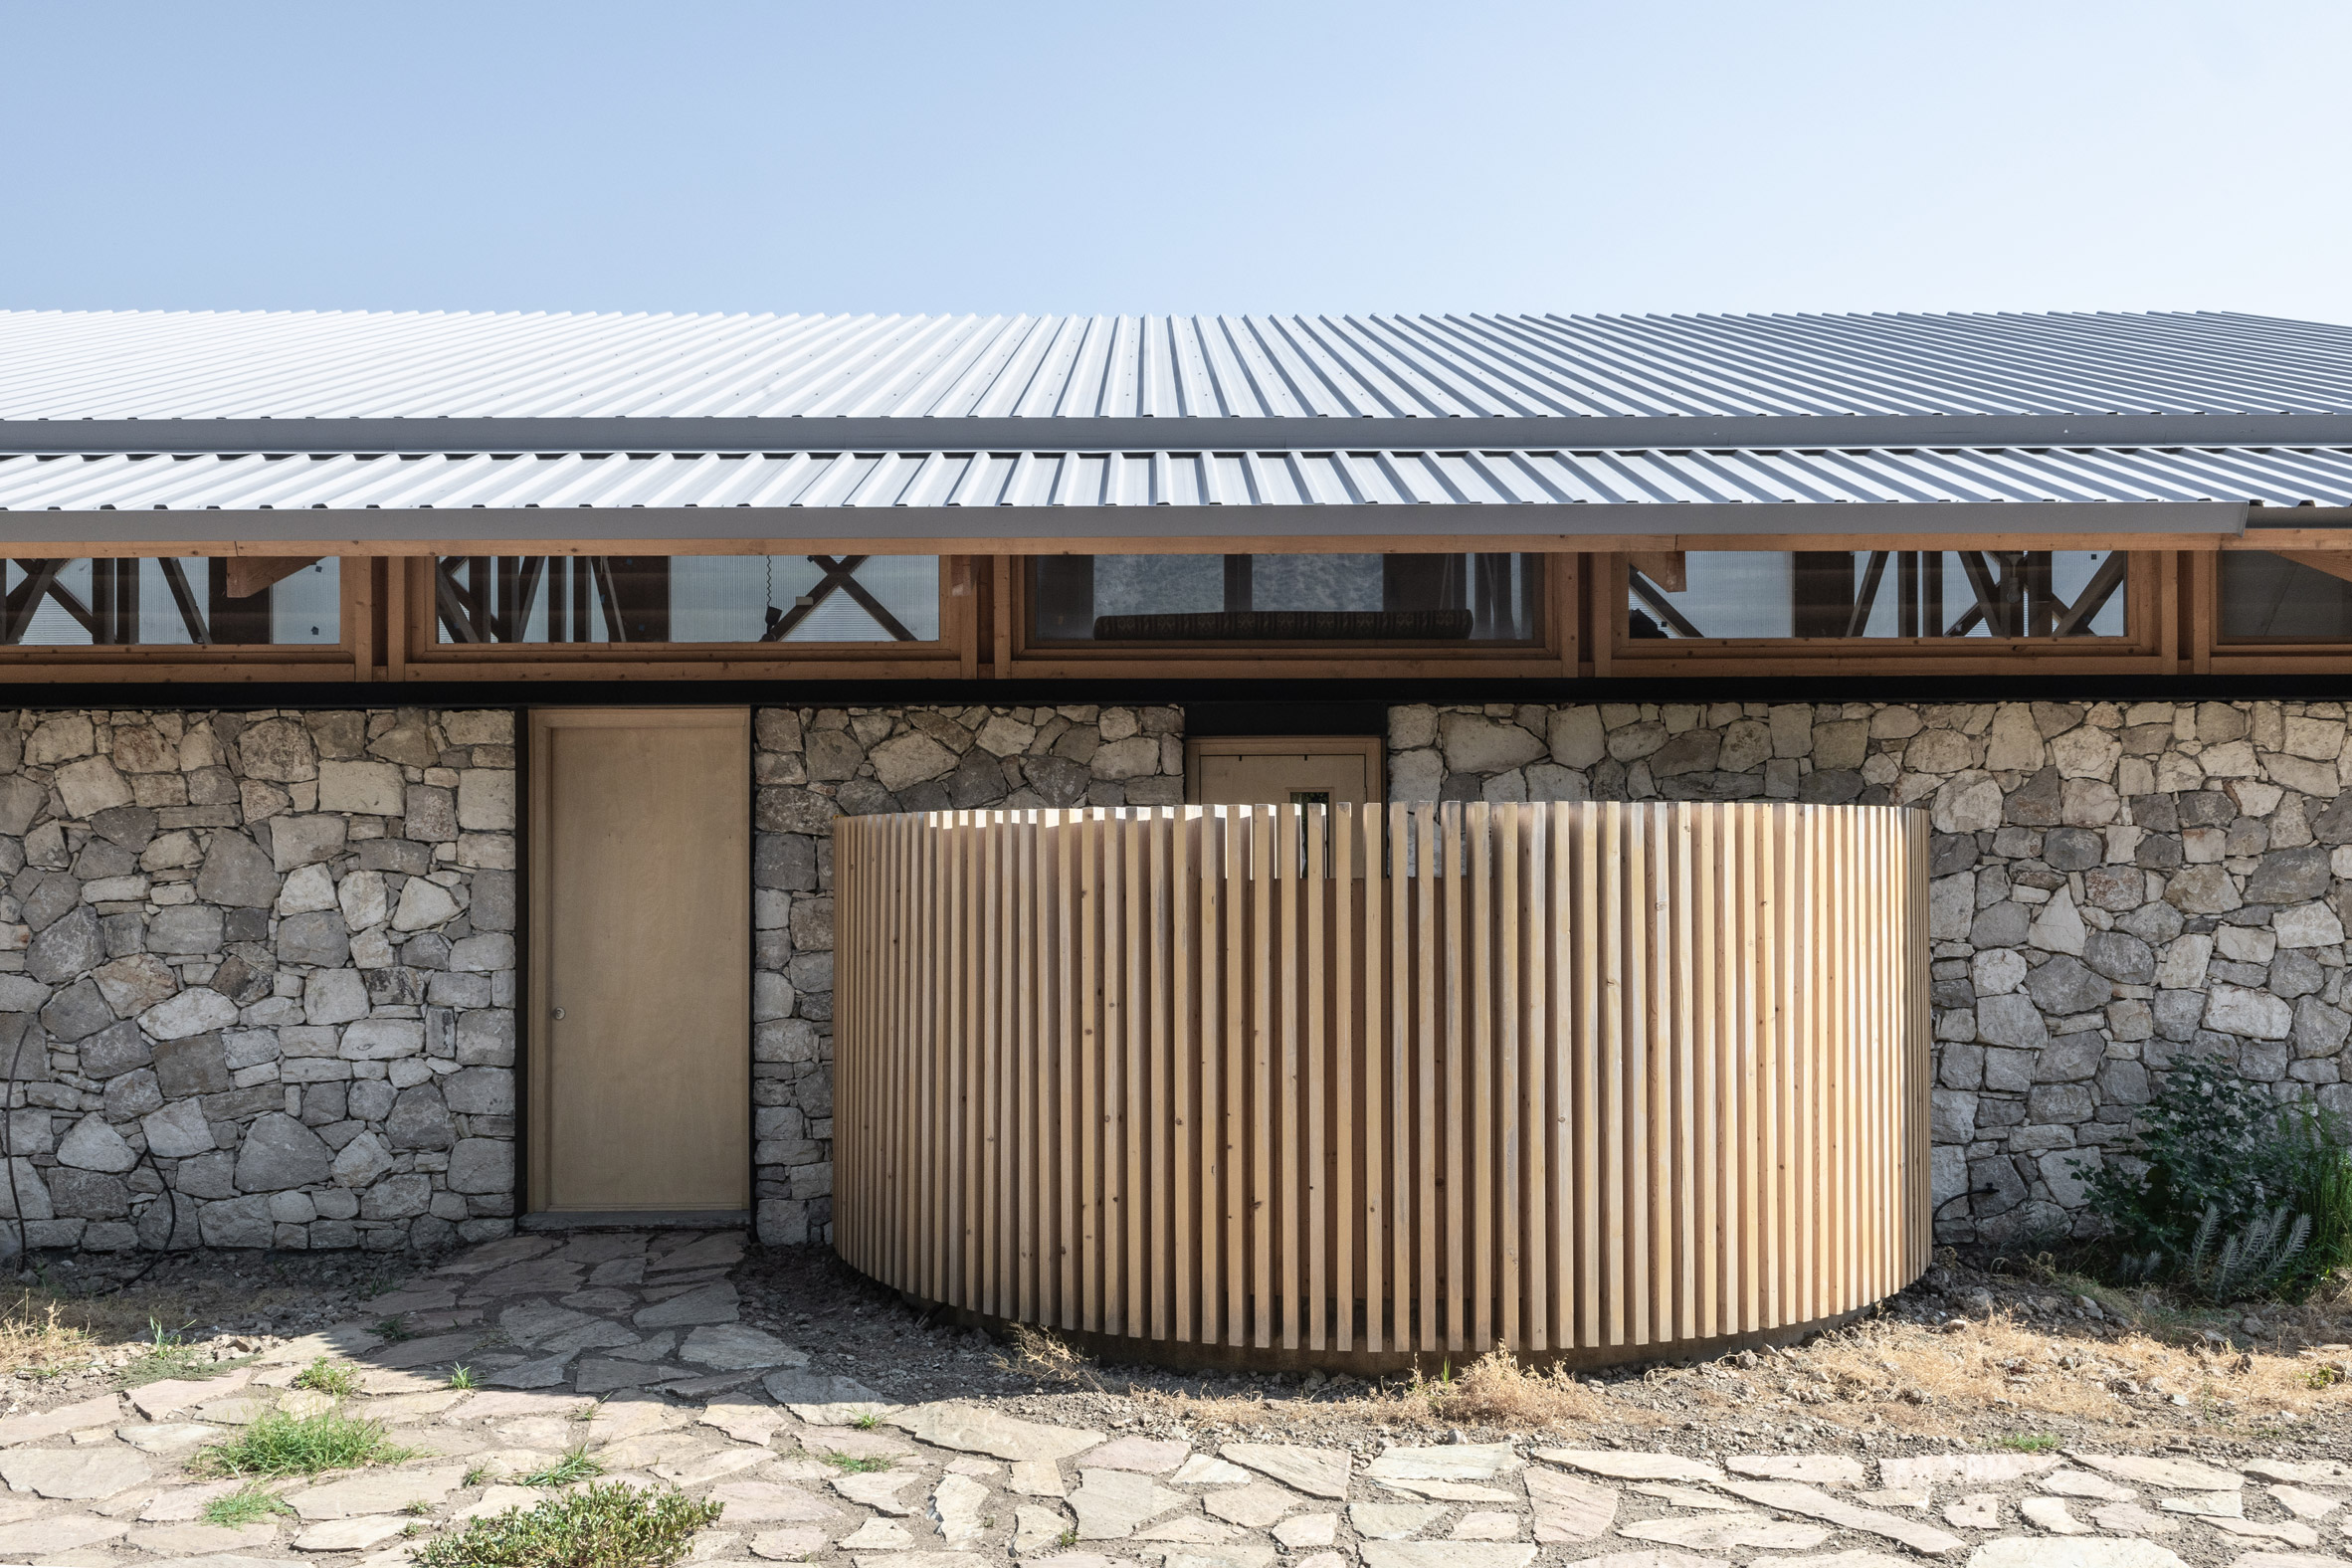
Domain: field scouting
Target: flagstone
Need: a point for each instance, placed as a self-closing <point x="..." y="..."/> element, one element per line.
<point x="1451" y="1554"/>
<point x="601" y="1375"/>
<point x="1687" y="1496"/>
<point x="724" y="1250"/>
<point x="1204" y="1469"/>
<point x="1190" y="1527"/>
<point x="976" y="1429"/>
<point x="1568" y="1507"/>
<point x="1976" y="1512"/>
<point x="1487" y="1525"/>
<point x="76" y="1475"/>
<point x="715" y="1302"/>
<point x="1304" y="1532"/>
<point x="1450" y="1490"/>
<point x="2304" y="1505"/>
<point x="2292" y="1531"/>
<point x="1794" y="1497"/>
<point x="58" y="1532"/>
<point x="540" y="1277"/>
<point x="1817" y="1469"/>
<point x="1621" y="1465"/>
<point x="1043" y="1477"/>
<point x="768" y="1501"/>
<point x="2225" y="1504"/>
<point x="351" y="1535"/>
<point x="505" y="1406"/>
<point x="1963" y="1470"/>
<point x="877" y="1491"/>
<point x="497" y="1255"/>
<point x="1895" y="1497"/>
<point x="1229" y="1554"/>
<point x="1111" y="1505"/>
<point x="1721" y="1532"/>
<point x="875" y="1535"/>
<point x="102" y="1411"/>
<point x="704" y="1469"/>
<point x="1152" y="1456"/>
<point x="735" y="1347"/>
<point x="1256" y="1505"/>
<point x="923" y="1561"/>
<point x="744" y="1420"/>
<point x="495" y="1500"/>
<point x="179" y="1504"/>
<point x="1392" y="1521"/>
<point x="376" y="1492"/>
<point x="827" y="1401"/>
<point x="546" y="1372"/>
<point x="2285" y="1559"/>
<point x="1319" y="1472"/>
<point x="957" y="1504"/>
<point x="2084" y="1484"/>
<point x="2042" y="1551"/>
<point x="347" y="1340"/>
<point x="617" y="1419"/>
<point x="1458" y="1462"/>
<point x="167" y="1396"/>
<point x="2308" y="1473"/>
<point x="202" y="1537"/>
<point x="1859" y="1558"/>
<point x="2149" y="1470"/>
<point x="168" y="1436"/>
<point x="2126" y="1519"/>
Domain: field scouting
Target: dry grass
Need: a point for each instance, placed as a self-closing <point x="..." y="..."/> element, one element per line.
<point x="1496" y="1391"/>
<point x="1044" y="1355"/>
<point x="39" y="1336"/>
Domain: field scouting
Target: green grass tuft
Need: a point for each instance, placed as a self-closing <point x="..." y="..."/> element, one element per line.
<point x="610" y="1526"/>
<point x="169" y="1356"/>
<point x="245" y="1505"/>
<point x="284" y="1445"/>
<point x="461" y="1376"/>
<point x="329" y="1377"/>
<point x="852" y="1464"/>
<point x="574" y="1465"/>
<point x="2031" y="1442"/>
<point x="867" y="1421"/>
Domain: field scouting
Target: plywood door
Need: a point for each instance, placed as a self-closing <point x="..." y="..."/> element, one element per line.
<point x="641" y="974"/>
<point x="1305" y="770"/>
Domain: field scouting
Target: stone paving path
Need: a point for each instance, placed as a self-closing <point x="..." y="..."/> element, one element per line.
<point x="631" y="1348"/>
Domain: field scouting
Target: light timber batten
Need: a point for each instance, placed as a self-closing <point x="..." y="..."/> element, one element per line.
<point x="1360" y="1086"/>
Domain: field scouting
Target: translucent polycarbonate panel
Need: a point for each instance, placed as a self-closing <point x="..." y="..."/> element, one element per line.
<point x="182" y="601"/>
<point x="1879" y="594"/>
<point x="1340" y="598"/>
<point x="2271" y="597"/>
<point x="785" y="599"/>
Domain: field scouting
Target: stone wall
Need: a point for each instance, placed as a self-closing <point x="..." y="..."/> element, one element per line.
<point x="2113" y="884"/>
<point x="811" y="765"/>
<point x="258" y="966"/>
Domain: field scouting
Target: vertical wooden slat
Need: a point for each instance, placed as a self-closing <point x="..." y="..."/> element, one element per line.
<point x="1566" y="1076"/>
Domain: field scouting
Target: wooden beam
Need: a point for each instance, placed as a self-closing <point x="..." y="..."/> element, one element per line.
<point x="2336" y="563"/>
<point x="250" y="574"/>
<point x="1667" y="568"/>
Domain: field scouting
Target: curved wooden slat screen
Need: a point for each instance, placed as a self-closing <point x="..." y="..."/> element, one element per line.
<point x="1592" y="1078"/>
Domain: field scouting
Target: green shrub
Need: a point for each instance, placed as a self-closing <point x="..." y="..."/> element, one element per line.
<point x="2222" y="1156"/>
<point x="608" y="1527"/>
<point x="284" y="1445"/>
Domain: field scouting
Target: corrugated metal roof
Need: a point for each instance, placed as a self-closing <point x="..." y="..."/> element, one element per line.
<point x="147" y="365"/>
<point x="347" y="482"/>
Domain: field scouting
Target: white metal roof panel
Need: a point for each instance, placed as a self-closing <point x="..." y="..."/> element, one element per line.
<point x="1319" y="478"/>
<point x="297" y="365"/>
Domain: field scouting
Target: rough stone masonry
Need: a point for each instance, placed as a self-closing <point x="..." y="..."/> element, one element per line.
<point x="811" y="765"/>
<point x="2114" y="884"/>
<point x="257" y="971"/>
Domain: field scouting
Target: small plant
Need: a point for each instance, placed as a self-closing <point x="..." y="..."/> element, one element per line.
<point x="854" y="1465"/>
<point x="168" y="1355"/>
<point x="2324" y="1377"/>
<point x="284" y="1445"/>
<point x="867" y="1421"/>
<point x="608" y="1527"/>
<point x="476" y="1476"/>
<point x="248" y="1504"/>
<point x="2031" y="1442"/>
<point x="461" y="1376"/>
<point x="2251" y="1262"/>
<point x="389" y="1330"/>
<point x="421" y="1508"/>
<point x="574" y="1465"/>
<point x="1068" y="1537"/>
<point x="327" y="1377"/>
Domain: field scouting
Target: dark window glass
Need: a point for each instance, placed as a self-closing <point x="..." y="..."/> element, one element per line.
<point x="170" y="601"/>
<point x="2269" y="596"/>
<point x="1876" y="593"/>
<point x="687" y="598"/>
<point x="1285" y="598"/>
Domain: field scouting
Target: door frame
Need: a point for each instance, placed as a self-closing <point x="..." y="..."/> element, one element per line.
<point x="1371" y="748"/>
<point x="531" y="1067"/>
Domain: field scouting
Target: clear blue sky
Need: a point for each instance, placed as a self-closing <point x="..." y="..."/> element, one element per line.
<point x="1197" y="156"/>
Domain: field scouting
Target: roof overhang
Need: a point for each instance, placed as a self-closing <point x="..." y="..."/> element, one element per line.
<point x="984" y="531"/>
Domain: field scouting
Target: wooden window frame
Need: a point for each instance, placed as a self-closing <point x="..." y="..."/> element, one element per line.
<point x="177" y="661"/>
<point x="2149" y="645"/>
<point x="1553" y="654"/>
<point x="2221" y="655"/>
<point x="952" y="654"/>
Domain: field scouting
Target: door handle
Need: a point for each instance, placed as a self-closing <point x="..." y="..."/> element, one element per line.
<point x="556" y="1013"/>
